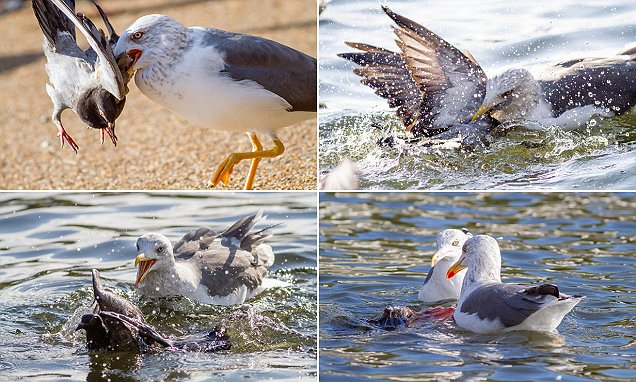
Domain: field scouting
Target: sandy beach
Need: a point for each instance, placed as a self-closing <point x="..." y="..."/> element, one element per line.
<point x="157" y="149"/>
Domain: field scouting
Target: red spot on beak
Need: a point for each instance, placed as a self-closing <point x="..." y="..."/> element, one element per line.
<point x="135" y="54"/>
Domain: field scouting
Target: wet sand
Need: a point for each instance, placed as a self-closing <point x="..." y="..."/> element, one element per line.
<point x="157" y="149"/>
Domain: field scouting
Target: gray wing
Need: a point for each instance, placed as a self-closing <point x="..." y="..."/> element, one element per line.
<point x="110" y="302"/>
<point x="113" y="36"/>
<point x="227" y="260"/>
<point x="240" y="235"/>
<point x="124" y="329"/>
<point x="511" y="304"/>
<point x="224" y="269"/>
<point x="605" y="82"/>
<point x="110" y="76"/>
<point x="433" y="84"/>
<point x="278" y="68"/>
<point x="57" y="28"/>
<point x="193" y="242"/>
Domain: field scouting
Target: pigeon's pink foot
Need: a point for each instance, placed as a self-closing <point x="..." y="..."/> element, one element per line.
<point x="111" y="134"/>
<point x="65" y="137"/>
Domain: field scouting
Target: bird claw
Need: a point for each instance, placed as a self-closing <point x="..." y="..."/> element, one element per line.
<point x="111" y="134"/>
<point x="223" y="172"/>
<point x="65" y="137"/>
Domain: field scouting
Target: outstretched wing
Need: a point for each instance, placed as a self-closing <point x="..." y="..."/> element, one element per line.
<point x="432" y="83"/>
<point x="109" y="76"/>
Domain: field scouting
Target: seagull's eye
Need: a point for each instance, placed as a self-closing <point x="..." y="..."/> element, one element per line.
<point x="137" y="35"/>
<point x="160" y="250"/>
<point x="456" y="243"/>
<point x="137" y="245"/>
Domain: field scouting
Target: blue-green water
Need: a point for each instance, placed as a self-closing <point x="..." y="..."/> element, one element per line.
<point x="50" y="241"/>
<point x="500" y="35"/>
<point x="375" y="250"/>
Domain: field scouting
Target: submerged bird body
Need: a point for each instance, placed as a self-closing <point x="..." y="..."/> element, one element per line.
<point x="443" y="93"/>
<point x="119" y="325"/>
<point x="222" y="80"/>
<point x="437" y="287"/>
<point x="73" y="80"/>
<point x="486" y="305"/>
<point x="221" y="269"/>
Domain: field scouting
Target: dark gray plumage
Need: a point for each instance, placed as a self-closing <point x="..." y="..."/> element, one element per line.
<point x="97" y="98"/>
<point x="612" y="80"/>
<point x="110" y="331"/>
<point x="110" y="302"/>
<point x="278" y="68"/>
<point x="509" y="303"/>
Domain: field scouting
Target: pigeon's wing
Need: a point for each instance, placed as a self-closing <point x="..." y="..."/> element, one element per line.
<point x="112" y="35"/>
<point x="108" y="301"/>
<point x="58" y="29"/>
<point x="432" y="83"/>
<point x="109" y="74"/>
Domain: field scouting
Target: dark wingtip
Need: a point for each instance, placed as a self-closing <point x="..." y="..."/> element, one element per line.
<point x="96" y="284"/>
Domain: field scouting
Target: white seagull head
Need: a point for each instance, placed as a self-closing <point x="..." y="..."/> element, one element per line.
<point x="449" y="245"/>
<point x="512" y="95"/>
<point x="152" y="39"/>
<point x="481" y="255"/>
<point x="154" y="252"/>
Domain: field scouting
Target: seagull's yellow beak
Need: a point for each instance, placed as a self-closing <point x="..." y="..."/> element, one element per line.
<point x="456" y="268"/>
<point x="144" y="264"/>
<point x="481" y="111"/>
<point x="436" y="257"/>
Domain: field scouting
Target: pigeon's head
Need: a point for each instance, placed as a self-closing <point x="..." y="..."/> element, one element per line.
<point x="481" y="255"/>
<point x="511" y="95"/>
<point x="449" y="245"/>
<point x="154" y="252"/>
<point x="152" y="39"/>
<point x="92" y="323"/>
<point x="99" y="109"/>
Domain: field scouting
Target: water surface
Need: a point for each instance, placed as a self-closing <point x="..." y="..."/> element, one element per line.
<point x="49" y="242"/>
<point x="500" y="35"/>
<point x="375" y="250"/>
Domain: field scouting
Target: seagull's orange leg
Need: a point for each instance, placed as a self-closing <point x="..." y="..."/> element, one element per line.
<point x="224" y="169"/>
<point x="256" y="146"/>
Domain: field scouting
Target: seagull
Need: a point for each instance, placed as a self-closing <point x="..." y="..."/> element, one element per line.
<point x="436" y="286"/>
<point x="88" y="82"/>
<point x="442" y="92"/>
<point x="221" y="269"/>
<point x="486" y="305"/>
<point x="222" y="80"/>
